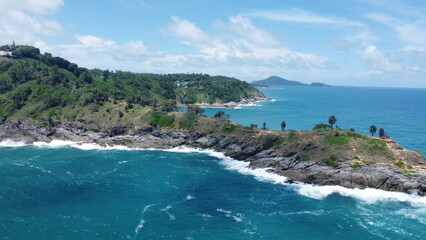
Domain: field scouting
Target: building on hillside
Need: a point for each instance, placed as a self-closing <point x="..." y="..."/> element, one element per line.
<point x="6" y="54"/>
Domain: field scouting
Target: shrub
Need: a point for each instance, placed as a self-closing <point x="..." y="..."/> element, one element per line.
<point x="321" y="126"/>
<point x="270" y="141"/>
<point x="187" y="121"/>
<point x="162" y="119"/>
<point x="305" y="159"/>
<point x="356" y="157"/>
<point x="292" y="135"/>
<point x="331" y="161"/>
<point x="356" y="165"/>
<point x="399" y="163"/>
<point x="369" y="162"/>
<point x="229" y="128"/>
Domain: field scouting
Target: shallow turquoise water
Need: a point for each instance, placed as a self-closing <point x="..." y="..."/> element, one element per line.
<point x="401" y="112"/>
<point x="68" y="193"/>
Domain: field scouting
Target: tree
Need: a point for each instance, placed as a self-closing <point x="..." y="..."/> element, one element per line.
<point x="264" y="125"/>
<point x="283" y="125"/>
<point x="373" y="130"/>
<point x="219" y="114"/>
<point x="381" y="132"/>
<point x="194" y="109"/>
<point x="352" y="129"/>
<point x="332" y="120"/>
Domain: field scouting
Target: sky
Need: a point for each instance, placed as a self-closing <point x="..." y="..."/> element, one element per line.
<point x="349" y="43"/>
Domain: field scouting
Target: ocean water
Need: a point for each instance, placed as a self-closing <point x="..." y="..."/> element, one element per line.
<point x="401" y="112"/>
<point x="65" y="190"/>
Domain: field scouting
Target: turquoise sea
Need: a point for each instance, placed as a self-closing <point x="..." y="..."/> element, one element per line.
<point x="67" y="191"/>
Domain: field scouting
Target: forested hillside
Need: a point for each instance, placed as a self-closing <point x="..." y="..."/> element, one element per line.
<point x="43" y="87"/>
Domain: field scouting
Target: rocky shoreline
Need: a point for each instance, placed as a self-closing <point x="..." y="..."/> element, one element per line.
<point x="286" y="163"/>
<point x="243" y="102"/>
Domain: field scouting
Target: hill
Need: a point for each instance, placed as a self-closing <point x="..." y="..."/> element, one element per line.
<point x="274" y="80"/>
<point x="42" y="87"/>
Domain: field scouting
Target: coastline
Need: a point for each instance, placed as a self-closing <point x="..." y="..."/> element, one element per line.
<point x="231" y="105"/>
<point x="367" y="195"/>
<point x="285" y="164"/>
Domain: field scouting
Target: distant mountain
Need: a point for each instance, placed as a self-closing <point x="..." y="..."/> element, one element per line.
<point x="274" y="80"/>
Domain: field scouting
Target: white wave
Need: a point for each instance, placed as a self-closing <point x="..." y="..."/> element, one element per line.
<point x="189" y="197"/>
<point x="367" y="195"/>
<point x="11" y="143"/>
<point x="80" y="145"/>
<point x="238" y="217"/>
<point x="140" y="226"/>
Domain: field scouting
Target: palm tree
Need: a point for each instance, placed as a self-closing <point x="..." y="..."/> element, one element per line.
<point x="381" y="132"/>
<point x="332" y="120"/>
<point x="264" y="125"/>
<point x="373" y="130"/>
<point x="283" y="125"/>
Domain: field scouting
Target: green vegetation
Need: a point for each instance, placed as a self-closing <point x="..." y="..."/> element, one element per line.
<point x="369" y="162"/>
<point x="332" y="120"/>
<point x="162" y="119"/>
<point x="339" y="140"/>
<point x="37" y="86"/>
<point x="331" y="161"/>
<point x="373" y="130"/>
<point x="187" y="121"/>
<point x="283" y="125"/>
<point x="356" y="157"/>
<point x="399" y="163"/>
<point x="381" y="132"/>
<point x="229" y="128"/>
<point x="271" y="140"/>
<point x="321" y="126"/>
<point x="304" y="159"/>
<point x="356" y="165"/>
<point x="292" y="135"/>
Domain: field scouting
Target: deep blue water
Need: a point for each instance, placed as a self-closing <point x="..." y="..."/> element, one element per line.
<point x="400" y="112"/>
<point x="70" y="193"/>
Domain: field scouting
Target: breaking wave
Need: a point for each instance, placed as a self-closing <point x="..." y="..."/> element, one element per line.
<point x="368" y="195"/>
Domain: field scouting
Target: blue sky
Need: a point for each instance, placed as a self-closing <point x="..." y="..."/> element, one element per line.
<point x="351" y="43"/>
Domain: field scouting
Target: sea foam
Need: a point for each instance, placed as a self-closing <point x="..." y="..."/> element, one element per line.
<point x="368" y="195"/>
<point x="11" y="143"/>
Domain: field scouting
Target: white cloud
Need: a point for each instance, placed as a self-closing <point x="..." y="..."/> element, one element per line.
<point x="376" y="60"/>
<point x="185" y="30"/>
<point x="31" y="6"/>
<point x="302" y="16"/>
<point x="244" y="28"/>
<point x="241" y="43"/>
<point x="25" y="20"/>
<point x="412" y="32"/>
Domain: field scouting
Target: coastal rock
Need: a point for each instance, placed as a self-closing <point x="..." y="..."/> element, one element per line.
<point x="287" y="163"/>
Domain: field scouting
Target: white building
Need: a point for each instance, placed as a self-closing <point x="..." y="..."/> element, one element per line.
<point x="5" y="54"/>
